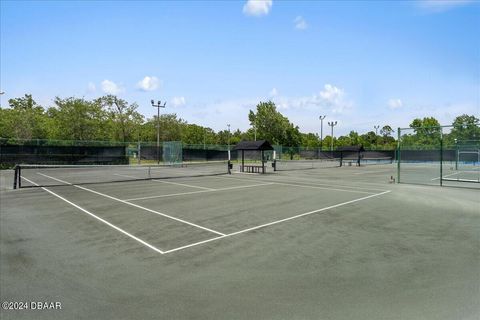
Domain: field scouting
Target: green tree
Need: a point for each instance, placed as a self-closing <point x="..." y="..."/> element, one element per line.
<point x="195" y="134"/>
<point x="310" y="140"/>
<point x="171" y="128"/>
<point x="123" y="119"/>
<point x="466" y="130"/>
<point x="427" y="132"/>
<point x="24" y="120"/>
<point x="272" y="126"/>
<point x="386" y="131"/>
<point x="327" y="142"/>
<point x="224" y="137"/>
<point x="78" y="119"/>
<point x="369" y="139"/>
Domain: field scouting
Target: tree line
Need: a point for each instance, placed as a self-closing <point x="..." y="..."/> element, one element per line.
<point x="110" y="118"/>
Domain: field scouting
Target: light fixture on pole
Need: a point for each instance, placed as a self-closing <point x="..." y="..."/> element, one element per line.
<point x="321" y="131"/>
<point x="158" y="106"/>
<point x="332" y="124"/>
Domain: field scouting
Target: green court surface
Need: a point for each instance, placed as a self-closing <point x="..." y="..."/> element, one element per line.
<point x="326" y="243"/>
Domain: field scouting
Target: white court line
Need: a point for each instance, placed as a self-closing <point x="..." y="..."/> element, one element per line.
<point x="461" y="180"/>
<point x="376" y="171"/>
<point x="200" y="242"/>
<point x="134" y="205"/>
<point x="277" y="221"/>
<point x="316" y="186"/>
<point x="323" y="188"/>
<point x="309" y="181"/>
<point x="447" y="175"/>
<point x="168" y="182"/>
<point x="167" y="195"/>
<point x="200" y="191"/>
<point x="182" y="184"/>
<point x="100" y="219"/>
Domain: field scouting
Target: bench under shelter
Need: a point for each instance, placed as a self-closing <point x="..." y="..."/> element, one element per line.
<point x="259" y="146"/>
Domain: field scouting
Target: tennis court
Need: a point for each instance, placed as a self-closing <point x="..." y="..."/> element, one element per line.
<point x="324" y="242"/>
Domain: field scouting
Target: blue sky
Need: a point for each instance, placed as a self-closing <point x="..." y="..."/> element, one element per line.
<point x="359" y="63"/>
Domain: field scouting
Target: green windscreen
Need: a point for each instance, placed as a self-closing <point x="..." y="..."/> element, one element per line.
<point x="172" y="152"/>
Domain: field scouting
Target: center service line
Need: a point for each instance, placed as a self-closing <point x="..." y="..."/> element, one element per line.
<point x="277" y="221"/>
<point x="199" y="191"/>
<point x="134" y="205"/>
<point x="100" y="219"/>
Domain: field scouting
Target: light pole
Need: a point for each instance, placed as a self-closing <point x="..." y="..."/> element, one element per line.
<point x="158" y="106"/>
<point x="332" y="124"/>
<point x="376" y="135"/>
<point x="228" y="125"/>
<point x="321" y="131"/>
<point x="456" y="154"/>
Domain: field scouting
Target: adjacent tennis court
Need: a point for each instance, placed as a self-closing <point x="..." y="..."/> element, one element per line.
<point x="193" y="241"/>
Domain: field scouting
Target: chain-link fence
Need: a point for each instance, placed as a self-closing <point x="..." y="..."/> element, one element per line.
<point x="444" y="155"/>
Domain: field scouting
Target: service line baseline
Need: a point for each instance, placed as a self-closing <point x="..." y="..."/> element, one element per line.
<point x="219" y="236"/>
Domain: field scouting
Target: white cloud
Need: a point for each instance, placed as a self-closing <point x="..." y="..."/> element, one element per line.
<point x="395" y="103"/>
<point x="300" y="23"/>
<point x="273" y="92"/>
<point x="110" y="87"/>
<point x="435" y="6"/>
<point x="257" y="7"/>
<point x="331" y="94"/>
<point x="331" y="99"/>
<point x="91" y="88"/>
<point x="148" y="84"/>
<point x="178" y="101"/>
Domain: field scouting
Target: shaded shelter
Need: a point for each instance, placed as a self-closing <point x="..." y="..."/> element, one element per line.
<point x="260" y="145"/>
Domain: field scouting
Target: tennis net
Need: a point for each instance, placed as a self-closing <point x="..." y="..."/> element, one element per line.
<point x="287" y="165"/>
<point x="30" y="175"/>
<point x="373" y="161"/>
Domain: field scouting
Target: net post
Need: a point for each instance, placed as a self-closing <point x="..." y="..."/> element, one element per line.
<point x="19" y="177"/>
<point x="139" y="150"/>
<point x="457" y="155"/>
<point x="398" y="154"/>
<point x="15" y="177"/>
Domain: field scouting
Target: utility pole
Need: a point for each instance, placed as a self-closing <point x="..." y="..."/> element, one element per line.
<point x="321" y="131"/>
<point x="332" y="124"/>
<point x="228" y="125"/>
<point x="158" y="106"/>
<point x="376" y="135"/>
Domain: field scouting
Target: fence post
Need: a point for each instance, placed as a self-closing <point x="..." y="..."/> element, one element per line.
<point x="15" y="178"/>
<point x="398" y="154"/>
<point x="441" y="156"/>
